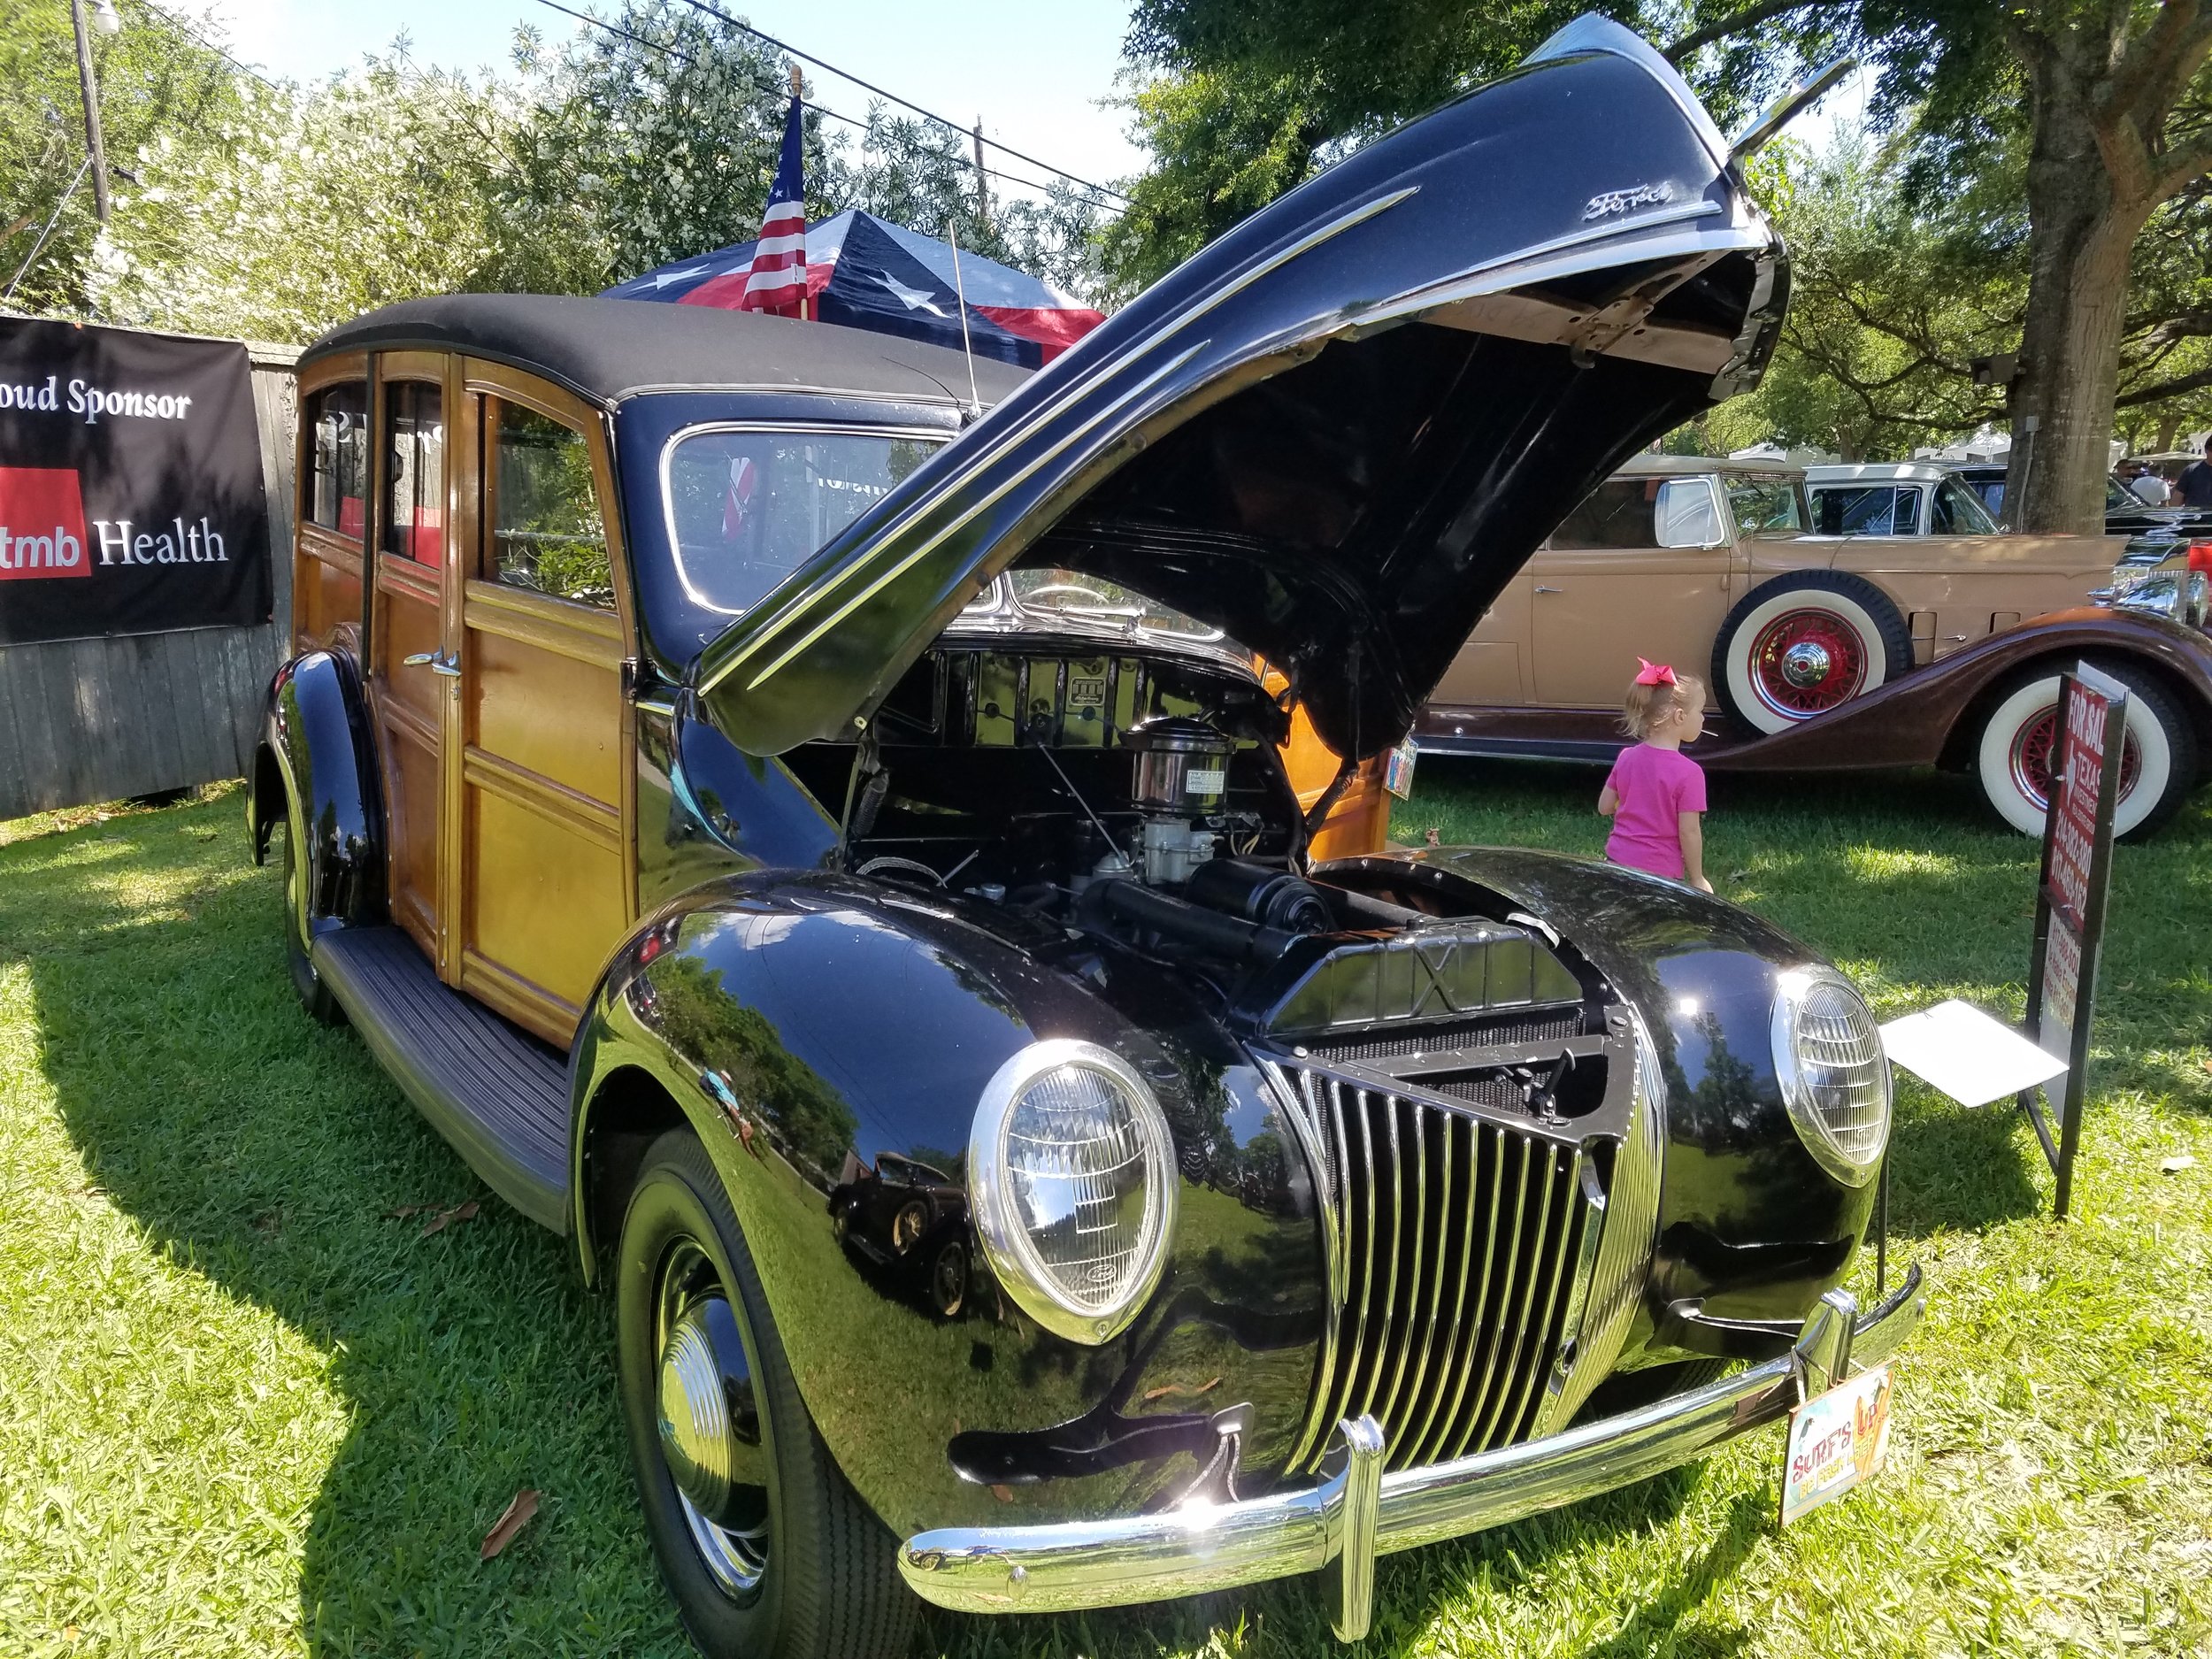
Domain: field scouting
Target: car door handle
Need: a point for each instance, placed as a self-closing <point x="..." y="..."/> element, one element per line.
<point x="1542" y="589"/>
<point x="450" y="666"/>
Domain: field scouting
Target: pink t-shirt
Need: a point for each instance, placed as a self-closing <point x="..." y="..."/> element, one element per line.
<point x="1655" y="785"/>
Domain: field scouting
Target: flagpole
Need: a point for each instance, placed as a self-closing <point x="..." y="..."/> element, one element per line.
<point x="975" y="398"/>
<point x="805" y="293"/>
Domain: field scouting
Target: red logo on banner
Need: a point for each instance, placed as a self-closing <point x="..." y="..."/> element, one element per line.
<point x="41" y="524"/>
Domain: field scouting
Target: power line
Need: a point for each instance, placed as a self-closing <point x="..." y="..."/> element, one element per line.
<point x="198" y="39"/>
<point x="823" y="109"/>
<point x="785" y="46"/>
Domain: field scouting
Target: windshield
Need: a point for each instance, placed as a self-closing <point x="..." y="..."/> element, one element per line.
<point x="1765" y="504"/>
<point x="747" y="507"/>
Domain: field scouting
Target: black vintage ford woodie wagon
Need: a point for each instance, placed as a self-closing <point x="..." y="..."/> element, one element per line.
<point x="830" y="854"/>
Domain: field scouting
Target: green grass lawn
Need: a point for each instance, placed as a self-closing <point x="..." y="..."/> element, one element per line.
<point x="246" y="1409"/>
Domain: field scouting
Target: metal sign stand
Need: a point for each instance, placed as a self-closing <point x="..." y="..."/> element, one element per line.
<point x="2086" y="751"/>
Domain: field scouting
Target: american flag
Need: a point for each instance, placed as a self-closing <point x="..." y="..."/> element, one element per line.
<point x="777" y="281"/>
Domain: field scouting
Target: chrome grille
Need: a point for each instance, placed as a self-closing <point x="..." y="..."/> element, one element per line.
<point x="1456" y="1250"/>
<point x="1552" y="1025"/>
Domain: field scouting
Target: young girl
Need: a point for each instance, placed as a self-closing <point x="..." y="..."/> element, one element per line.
<point x="1656" y="794"/>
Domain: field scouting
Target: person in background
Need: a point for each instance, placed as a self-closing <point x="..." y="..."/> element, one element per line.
<point x="2145" y="484"/>
<point x="1656" y="794"/>
<point x="2194" y="487"/>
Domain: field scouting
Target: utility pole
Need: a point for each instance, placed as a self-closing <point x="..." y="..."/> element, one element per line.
<point x="89" y="87"/>
<point x="982" y="179"/>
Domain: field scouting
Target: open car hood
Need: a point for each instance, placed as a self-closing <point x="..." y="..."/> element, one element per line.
<point x="1339" y="430"/>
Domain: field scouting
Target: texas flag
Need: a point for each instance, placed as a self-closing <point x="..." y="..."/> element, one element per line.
<point x="777" y="283"/>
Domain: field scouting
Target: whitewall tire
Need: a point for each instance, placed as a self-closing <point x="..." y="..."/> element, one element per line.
<point x="1805" y="643"/>
<point x="2012" y="755"/>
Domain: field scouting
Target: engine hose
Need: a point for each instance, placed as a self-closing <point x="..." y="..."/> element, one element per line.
<point x="1207" y="931"/>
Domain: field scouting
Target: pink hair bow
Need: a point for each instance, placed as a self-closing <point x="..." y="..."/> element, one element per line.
<point x="1653" y="674"/>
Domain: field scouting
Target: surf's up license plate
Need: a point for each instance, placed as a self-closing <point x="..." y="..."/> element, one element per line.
<point x="1836" y="1441"/>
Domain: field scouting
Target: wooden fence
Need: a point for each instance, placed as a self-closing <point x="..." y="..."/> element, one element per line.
<point x="98" y="720"/>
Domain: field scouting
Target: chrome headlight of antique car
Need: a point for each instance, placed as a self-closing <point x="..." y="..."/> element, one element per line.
<point x="1071" y="1182"/>
<point x="1835" y="1077"/>
<point x="2172" y="580"/>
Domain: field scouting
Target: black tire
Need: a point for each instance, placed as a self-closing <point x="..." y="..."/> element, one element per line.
<point x="2161" y="752"/>
<point x="828" y="1586"/>
<point x="1857" y="632"/>
<point x="307" y="984"/>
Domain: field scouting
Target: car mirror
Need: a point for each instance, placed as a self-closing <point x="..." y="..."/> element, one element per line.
<point x="1685" y="514"/>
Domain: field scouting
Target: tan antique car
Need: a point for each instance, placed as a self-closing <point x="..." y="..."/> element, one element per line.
<point x="1823" y="652"/>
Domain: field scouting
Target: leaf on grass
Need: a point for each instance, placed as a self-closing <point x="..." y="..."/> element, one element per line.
<point x="517" y="1516"/>
<point x="1167" y="1389"/>
<point x="445" y="1218"/>
<point x="1432" y="838"/>
<point x="1740" y="875"/>
<point x="2176" y="1164"/>
<point x="400" y="1212"/>
<point x="1001" y="1494"/>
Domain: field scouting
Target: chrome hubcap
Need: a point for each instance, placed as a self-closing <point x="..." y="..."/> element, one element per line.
<point x="1806" y="664"/>
<point x="710" y="1423"/>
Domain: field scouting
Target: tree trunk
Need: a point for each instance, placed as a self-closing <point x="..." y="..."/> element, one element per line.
<point x="2079" y="241"/>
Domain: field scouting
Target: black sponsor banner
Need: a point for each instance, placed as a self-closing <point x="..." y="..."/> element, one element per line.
<point x="131" y="495"/>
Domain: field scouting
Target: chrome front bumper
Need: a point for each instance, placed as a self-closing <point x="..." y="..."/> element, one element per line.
<point x="1360" y="1513"/>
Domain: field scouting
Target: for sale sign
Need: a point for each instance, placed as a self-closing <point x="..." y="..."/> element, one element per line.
<point x="131" y="496"/>
<point x="2086" y="776"/>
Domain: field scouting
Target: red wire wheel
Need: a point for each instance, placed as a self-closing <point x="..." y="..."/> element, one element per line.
<point x="1806" y="661"/>
<point x="2034" y="747"/>
<point x="1804" y="644"/>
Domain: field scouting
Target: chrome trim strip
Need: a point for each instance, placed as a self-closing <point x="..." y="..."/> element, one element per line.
<point x="1484" y="1134"/>
<point x="1292" y="1105"/>
<point x="1571" y="1221"/>
<point x="1204" y="1546"/>
<point x="1391" y="1334"/>
<point x="1531" y="1244"/>
<point x="1436" y="1274"/>
<point x="1419" y="1436"/>
<point x="1352" y="1606"/>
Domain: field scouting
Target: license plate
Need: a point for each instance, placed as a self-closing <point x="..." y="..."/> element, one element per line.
<point x="1836" y="1441"/>
<point x="1398" y="771"/>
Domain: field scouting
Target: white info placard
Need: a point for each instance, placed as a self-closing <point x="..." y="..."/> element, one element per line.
<point x="1967" y="1054"/>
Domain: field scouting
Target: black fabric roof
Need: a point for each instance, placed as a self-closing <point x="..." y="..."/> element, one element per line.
<point x="607" y="349"/>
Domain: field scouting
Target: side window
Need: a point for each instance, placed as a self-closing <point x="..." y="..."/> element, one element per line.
<point x="1617" y="513"/>
<point x="414" y="501"/>
<point x="1959" y="512"/>
<point x="546" y="533"/>
<point x="1908" y="518"/>
<point x="1866" y="509"/>
<point x="338" y="458"/>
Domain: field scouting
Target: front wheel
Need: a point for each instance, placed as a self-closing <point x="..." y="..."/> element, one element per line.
<point x="2018" y="740"/>
<point x="769" y="1553"/>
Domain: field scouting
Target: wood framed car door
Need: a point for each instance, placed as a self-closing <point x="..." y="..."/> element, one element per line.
<point x="413" y="636"/>
<point x="1603" y="593"/>
<point x="547" y="798"/>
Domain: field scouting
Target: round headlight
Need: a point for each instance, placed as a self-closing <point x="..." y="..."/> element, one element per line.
<point x="1072" y="1181"/>
<point x="1835" y="1077"/>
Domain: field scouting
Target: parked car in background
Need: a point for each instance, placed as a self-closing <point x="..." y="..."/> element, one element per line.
<point x="1907" y="498"/>
<point x="1900" y="646"/>
<point x="2125" y="513"/>
<point x="780" y="824"/>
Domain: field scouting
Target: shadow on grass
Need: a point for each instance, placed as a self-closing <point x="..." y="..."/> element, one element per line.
<point x="266" y="1156"/>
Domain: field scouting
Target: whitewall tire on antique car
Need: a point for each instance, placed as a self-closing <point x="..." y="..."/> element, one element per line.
<point x="2012" y="754"/>
<point x="769" y="1553"/>
<point x="1805" y="643"/>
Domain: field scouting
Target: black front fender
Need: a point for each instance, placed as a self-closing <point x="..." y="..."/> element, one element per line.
<point x="316" y="757"/>
<point x="828" y="1039"/>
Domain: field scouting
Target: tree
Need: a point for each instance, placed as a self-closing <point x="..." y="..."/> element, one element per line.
<point x="158" y="84"/>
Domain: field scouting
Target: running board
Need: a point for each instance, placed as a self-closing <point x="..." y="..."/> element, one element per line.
<point x="501" y="1097"/>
